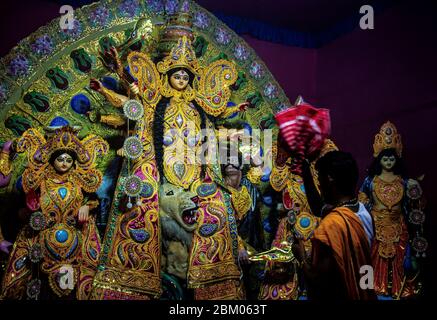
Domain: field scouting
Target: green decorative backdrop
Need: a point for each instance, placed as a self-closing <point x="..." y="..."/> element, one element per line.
<point x="45" y="79"/>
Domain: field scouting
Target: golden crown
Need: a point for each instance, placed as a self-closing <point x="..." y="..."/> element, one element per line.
<point x="64" y="138"/>
<point x="387" y="138"/>
<point x="181" y="55"/>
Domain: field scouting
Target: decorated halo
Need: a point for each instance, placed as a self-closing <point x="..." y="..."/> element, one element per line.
<point x="133" y="186"/>
<point x="133" y="147"/>
<point x="133" y="110"/>
<point x="417" y="217"/>
<point x="37" y="221"/>
<point x="420" y="244"/>
<point x="35" y="253"/>
<point x="33" y="288"/>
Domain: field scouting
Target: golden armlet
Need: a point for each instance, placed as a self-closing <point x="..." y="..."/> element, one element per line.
<point x="5" y="164"/>
<point x="112" y="120"/>
<point x="113" y="98"/>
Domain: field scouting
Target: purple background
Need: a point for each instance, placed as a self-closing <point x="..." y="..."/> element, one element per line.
<point x="365" y="77"/>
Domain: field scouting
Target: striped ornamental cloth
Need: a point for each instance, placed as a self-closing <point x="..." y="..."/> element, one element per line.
<point x="304" y="128"/>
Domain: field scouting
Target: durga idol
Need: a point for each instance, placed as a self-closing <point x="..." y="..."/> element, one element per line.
<point x="172" y="102"/>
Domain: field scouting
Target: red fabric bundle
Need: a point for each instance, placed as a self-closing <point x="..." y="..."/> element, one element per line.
<point x="304" y="128"/>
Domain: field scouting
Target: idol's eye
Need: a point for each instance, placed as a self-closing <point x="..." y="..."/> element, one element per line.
<point x="169" y="193"/>
<point x="186" y="78"/>
<point x="69" y="160"/>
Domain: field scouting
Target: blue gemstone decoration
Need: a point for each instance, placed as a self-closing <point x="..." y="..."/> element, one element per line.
<point x="128" y="70"/>
<point x="93" y="253"/>
<point x="304" y="222"/>
<point x="80" y="103"/>
<point x="147" y="190"/>
<point x="110" y="83"/>
<point x="20" y="263"/>
<point x="61" y="235"/>
<point x="265" y="178"/>
<point x="302" y="187"/>
<point x="73" y="248"/>
<point x="208" y="229"/>
<point x="62" y="192"/>
<point x="19" y="184"/>
<point x="167" y="140"/>
<point x="59" y="122"/>
<point x="267" y="200"/>
<point x="139" y="236"/>
<point x="206" y="189"/>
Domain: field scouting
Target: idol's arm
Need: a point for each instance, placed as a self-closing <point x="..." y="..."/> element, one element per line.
<point x="231" y="110"/>
<point x="117" y="100"/>
<point x="314" y="199"/>
<point x="89" y="203"/>
<point x="5" y="164"/>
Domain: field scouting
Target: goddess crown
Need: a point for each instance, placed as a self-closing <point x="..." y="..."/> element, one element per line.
<point x="387" y="138"/>
<point x="181" y="55"/>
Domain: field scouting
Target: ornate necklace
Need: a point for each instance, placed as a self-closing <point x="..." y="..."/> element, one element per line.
<point x="348" y="203"/>
<point x="389" y="193"/>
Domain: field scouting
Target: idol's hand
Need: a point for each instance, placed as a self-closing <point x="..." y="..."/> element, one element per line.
<point x="243" y="257"/>
<point x="94" y="116"/>
<point x="120" y="152"/>
<point x="95" y="85"/>
<point x="4" y="246"/>
<point x="243" y="106"/>
<point x="111" y="60"/>
<point x="84" y="214"/>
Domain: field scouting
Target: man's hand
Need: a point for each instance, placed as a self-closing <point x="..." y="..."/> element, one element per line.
<point x="4" y="246"/>
<point x="243" y="257"/>
<point x="84" y="214"/>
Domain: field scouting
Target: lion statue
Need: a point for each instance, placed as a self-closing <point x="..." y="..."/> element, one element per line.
<point x="178" y="214"/>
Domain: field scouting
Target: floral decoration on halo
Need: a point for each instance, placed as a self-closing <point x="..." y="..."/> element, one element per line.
<point x="42" y="46"/>
<point x="201" y="20"/>
<point x="19" y="66"/>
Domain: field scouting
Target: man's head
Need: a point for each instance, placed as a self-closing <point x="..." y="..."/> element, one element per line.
<point x="338" y="176"/>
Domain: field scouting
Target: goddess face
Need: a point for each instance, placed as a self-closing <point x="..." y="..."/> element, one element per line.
<point x="63" y="163"/>
<point x="179" y="80"/>
<point x="388" y="162"/>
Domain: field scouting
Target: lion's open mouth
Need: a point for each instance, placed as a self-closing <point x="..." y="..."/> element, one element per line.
<point x="189" y="216"/>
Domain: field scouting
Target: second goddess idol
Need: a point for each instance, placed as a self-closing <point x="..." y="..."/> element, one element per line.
<point x="55" y="256"/>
